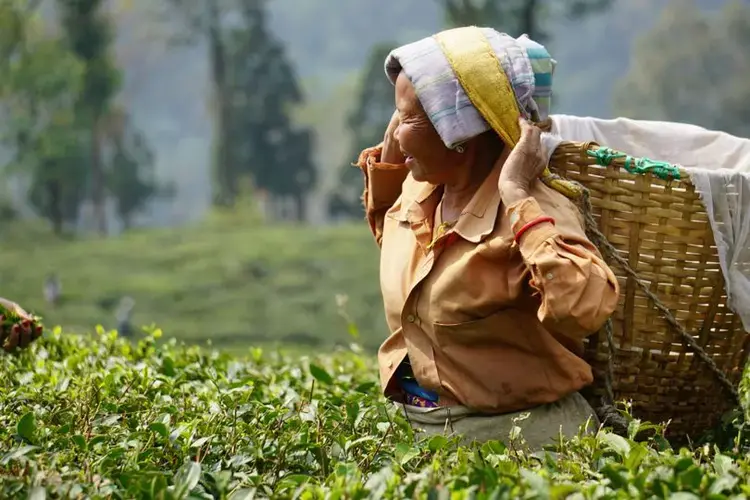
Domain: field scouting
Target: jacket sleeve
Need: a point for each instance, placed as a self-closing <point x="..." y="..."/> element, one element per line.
<point x="383" y="182"/>
<point x="578" y="290"/>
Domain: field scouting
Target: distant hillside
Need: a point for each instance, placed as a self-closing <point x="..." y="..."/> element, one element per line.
<point x="227" y="279"/>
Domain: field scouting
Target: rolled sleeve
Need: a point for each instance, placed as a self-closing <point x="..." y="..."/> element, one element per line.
<point x="578" y="291"/>
<point x="382" y="187"/>
<point x="524" y="212"/>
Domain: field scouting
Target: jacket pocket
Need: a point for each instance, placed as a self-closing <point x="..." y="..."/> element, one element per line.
<point x="508" y="328"/>
<point x="483" y="331"/>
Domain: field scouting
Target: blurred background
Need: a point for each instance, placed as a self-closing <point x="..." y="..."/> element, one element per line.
<point x="187" y="163"/>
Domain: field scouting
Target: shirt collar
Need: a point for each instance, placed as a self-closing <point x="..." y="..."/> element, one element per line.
<point x="419" y="201"/>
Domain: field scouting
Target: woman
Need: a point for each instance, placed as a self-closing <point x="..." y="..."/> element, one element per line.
<point x="489" y="282"/>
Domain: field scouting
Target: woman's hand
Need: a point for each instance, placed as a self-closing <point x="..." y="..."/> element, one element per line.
<point x="391" y="148"/>
<point x="21" y="334"/>
<point x="524" y="165"/>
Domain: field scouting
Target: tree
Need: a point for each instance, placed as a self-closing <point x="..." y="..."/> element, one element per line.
<point x="39" y="84"/>
<point x="517" y="16"/>
<point x="263" y="86"/>
<point x="89" y="35"/>
<point x="206" y="19"/>
<point x="367" y="122"/>
<point x="254" y="87"/>
<point x="706" y="54"/>
<point x="131" y="178"/>
<point x="60" y="166"/>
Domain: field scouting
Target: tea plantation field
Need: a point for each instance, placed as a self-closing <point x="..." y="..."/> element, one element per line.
<point x="227" y="280"/>
<point x="98" y="417"/>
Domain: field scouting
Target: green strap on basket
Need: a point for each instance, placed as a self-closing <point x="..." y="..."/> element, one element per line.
<point x="661" y="169"/>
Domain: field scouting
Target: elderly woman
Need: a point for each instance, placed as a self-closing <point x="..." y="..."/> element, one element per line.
<point x="489" y="282"/>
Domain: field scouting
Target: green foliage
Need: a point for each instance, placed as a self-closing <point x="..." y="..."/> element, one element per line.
<point x="89" y="34"/>
<point x="59" y="179"/>
<point x="39" y="83"/>
<point x="102" y="418"/>
<point x="127" y="183"/>
<point x="131" y="179"/>
<point x="202" y="22"/>
<point x="692" y="67"/>
<point x="55" y="94"/>
<point x="255" y="93"/>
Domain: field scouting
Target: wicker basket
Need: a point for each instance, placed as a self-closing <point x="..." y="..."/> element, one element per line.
<point x="661" y="228"/>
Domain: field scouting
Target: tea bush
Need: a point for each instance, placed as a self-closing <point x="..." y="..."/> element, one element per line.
<point x="99" y="417"/>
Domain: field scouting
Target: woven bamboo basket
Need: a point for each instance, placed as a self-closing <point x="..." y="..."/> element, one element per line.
<point x="660" y="227"/>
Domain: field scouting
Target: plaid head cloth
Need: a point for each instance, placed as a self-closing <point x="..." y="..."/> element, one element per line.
<point x="526" y="63"/>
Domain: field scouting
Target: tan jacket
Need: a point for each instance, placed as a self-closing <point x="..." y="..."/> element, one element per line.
<point x="487" y="323"/>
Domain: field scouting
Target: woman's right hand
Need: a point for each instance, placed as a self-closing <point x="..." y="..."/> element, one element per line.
<point x="391" y="148"/>
<point x="523" y="166"/>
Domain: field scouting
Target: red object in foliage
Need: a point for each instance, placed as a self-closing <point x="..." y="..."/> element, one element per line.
<point x="14" y="323"/>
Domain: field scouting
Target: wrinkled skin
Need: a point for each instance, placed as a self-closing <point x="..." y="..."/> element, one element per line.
<point x="524" y="165"/>
<point x="426" y="156"/>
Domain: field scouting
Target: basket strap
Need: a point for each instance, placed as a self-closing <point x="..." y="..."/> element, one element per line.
<point x="600" y="240"/>
<point x="606" y="410"/>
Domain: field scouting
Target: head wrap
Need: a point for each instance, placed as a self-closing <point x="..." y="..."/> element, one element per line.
<point x="526" y="64"/>
<point x="470" y="80"/>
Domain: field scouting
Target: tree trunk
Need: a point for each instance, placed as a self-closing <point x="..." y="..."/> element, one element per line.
<point x="55" y="206"/>
<point x="299" y="205"/>
<point x="97" y="180"/>
<point x="226" y="189"/>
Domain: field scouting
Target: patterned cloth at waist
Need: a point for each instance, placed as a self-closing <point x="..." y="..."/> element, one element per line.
<point x="414" y="394"/>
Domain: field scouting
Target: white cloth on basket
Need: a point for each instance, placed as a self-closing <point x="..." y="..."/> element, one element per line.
<point x="719" y="167"/>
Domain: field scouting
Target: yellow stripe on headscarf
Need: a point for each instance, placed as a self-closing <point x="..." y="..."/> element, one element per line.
<point x="481" y="75"/>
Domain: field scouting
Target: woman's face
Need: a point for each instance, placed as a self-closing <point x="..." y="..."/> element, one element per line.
<point x="427" y="157"/>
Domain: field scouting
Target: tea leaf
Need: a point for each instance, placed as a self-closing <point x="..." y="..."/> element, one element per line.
<point x="160" y="429"/>
<point x="187" y="478"/>
<point x="26" y="426"/>
<point x="320" y="374"/>
<point x="616" y="443"/>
